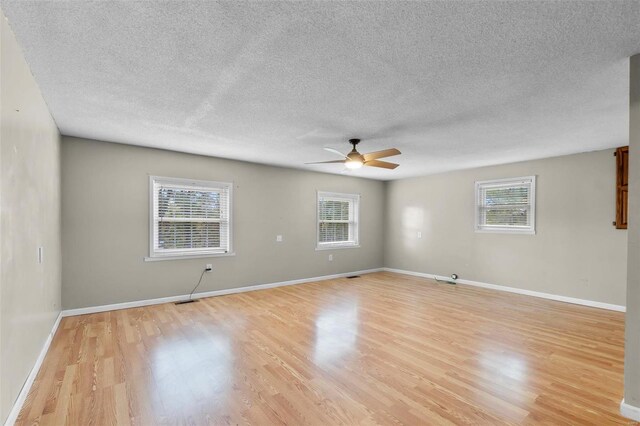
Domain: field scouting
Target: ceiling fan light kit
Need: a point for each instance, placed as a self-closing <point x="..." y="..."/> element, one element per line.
<point x="354" y="160"/>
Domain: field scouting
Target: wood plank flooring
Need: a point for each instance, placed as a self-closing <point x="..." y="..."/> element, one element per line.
<point x="380" y="349"/>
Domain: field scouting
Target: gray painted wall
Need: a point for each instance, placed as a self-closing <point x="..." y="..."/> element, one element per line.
<point x="632" y="318"/>
<point x="105" y="216"/>
<point x="30" y="217"/>
<point x="576" y="251"/>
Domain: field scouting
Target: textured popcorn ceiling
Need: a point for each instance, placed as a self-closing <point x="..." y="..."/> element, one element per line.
<point x="451" y="84"/>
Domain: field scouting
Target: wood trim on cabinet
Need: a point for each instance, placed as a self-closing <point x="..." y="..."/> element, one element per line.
<point x="622" y="187"/>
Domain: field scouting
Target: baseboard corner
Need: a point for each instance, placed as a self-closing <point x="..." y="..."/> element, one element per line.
<point x="629" y="411"/>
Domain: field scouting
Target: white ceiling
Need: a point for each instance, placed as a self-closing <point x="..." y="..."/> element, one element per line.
<point x="451" y="84"/>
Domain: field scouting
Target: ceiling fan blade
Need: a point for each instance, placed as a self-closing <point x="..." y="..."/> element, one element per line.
<point x="335" y="151"/>
<point x="326" y="162"/>
<point x="381" y="154"/>
<point x="383" y="164"/>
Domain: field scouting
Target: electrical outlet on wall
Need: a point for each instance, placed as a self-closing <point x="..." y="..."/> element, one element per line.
<point x="330" y="258"/>
<point x="209" y="267"/>
<point x="419" y="234"/>
<point x="279" y="238"/>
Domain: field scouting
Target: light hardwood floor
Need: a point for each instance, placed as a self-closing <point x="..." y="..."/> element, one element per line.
<point x="384" y="348"/>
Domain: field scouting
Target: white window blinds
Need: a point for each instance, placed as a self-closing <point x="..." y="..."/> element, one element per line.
<point x="506" y="205"/>
<point x="337" y="219"/>
<point x="190" y="217"/>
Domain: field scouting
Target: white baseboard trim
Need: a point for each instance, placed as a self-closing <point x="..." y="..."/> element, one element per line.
<point x="559" y="298"/>
<point x="629" y="411"/>
<point x="171" y="299"/>
<point x="22" y="396"/>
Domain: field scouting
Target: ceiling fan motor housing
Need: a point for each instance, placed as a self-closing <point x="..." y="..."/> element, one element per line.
<point x="354" y="155"/>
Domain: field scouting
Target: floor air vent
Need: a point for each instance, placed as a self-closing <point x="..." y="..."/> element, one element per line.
<point x="182" y="302"/>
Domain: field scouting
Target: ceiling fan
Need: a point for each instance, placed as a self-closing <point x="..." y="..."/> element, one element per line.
<point x="355" y="160"/>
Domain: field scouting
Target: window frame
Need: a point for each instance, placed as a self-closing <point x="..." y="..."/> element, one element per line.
<point x="187" y="253"/>
<point x="504" y="229"/>
<point x="355" y="200"/>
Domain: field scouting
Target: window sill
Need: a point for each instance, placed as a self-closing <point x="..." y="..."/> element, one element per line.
<point x="506" y="231"/>
<point x="187" y="257"/>
<point x="337" y="247"/>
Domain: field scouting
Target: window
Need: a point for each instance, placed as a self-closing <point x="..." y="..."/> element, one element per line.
<point x="337" y="220"/>
<point x="189" y="217"/>
<point x="506" y="205"/>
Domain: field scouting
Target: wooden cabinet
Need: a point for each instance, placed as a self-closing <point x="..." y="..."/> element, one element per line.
<point x="622" y="186"/>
